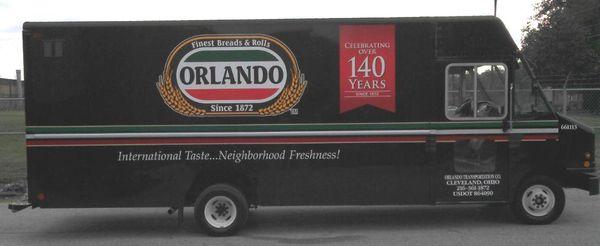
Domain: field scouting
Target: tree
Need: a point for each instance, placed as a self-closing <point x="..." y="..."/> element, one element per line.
<point x="564" y="37"/>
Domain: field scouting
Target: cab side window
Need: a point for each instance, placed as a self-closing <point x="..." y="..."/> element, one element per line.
<point x="476" y="91"/>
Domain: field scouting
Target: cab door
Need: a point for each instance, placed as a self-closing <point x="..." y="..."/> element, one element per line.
<point x="471" y="147"/>
<point x="473" y="169"/>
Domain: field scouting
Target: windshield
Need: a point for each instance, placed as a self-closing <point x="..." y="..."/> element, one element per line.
<point x="529" y="101"/>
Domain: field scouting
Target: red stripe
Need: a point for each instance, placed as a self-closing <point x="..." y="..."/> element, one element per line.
<point x="232" y="94"/>
<point x="540" y="137"/>
<point x="206" y="141"/>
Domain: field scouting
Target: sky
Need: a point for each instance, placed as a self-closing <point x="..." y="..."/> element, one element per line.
<point x="514" y="14"/>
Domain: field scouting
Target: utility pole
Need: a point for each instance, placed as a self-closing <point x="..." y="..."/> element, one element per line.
<point x="19" y="85"/>
<point x="495" y="5"/>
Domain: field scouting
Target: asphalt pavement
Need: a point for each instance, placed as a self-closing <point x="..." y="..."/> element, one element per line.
<point x="346" y="225"/>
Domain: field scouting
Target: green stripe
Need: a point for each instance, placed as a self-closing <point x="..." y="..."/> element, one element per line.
<point x="464" y="125"/>
<point x="536" y="124"/>
<point x="287" y="127"/>
<point x="230" y="55"/>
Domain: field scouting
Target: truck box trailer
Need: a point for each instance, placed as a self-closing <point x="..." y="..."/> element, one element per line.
<point x="226" y="115"/>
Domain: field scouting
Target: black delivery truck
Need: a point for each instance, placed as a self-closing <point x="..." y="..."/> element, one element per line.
<point x="222" y="116"/>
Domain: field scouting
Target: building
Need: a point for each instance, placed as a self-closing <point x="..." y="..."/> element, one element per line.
<point x="9" y="88"/>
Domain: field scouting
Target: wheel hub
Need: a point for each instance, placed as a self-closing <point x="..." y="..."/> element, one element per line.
<point x="538" y="200"/>
<point x="221" y="209"/>
<point x="220" y="212"/>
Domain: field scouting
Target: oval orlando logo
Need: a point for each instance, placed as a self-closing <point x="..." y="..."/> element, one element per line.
<point x="231" y="75"/>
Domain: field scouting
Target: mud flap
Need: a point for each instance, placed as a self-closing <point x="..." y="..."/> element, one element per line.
<point x="16" y="207"/>
<point x="594" y="186"/>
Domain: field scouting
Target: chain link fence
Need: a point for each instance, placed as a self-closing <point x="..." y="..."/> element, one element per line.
<point x="12" y="104"/>
<point x="575" y="95"/>
<point x="575" y="101"/>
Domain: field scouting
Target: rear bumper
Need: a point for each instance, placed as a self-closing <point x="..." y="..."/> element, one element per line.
<point x="592" y="176"/>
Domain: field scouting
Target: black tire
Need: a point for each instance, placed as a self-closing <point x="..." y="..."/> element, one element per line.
<point x="227" y="211"/>
<point x="538" y="200"/>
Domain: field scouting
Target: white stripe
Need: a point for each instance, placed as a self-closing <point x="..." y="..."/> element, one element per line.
<point x="286" y="133"/>
<point x="534" y="130"/>
<point x="258" y="143"/>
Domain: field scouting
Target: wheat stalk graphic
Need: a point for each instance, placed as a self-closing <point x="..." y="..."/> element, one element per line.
<point x="175" y="100"/>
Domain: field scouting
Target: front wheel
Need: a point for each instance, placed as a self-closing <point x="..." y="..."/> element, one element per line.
<point x="538" y="200"/>
<point x="221" y="210"/>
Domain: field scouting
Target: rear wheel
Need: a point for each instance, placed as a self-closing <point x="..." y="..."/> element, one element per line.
<point x="538" y="200"/>
<point x="221" y="210"/>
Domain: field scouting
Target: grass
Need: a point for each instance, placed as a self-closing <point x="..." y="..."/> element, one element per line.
<point x="12" y="158"/>
<point x="12" y="147"/>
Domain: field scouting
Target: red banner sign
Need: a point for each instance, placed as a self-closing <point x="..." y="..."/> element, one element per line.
<point x="367" y="66"/>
